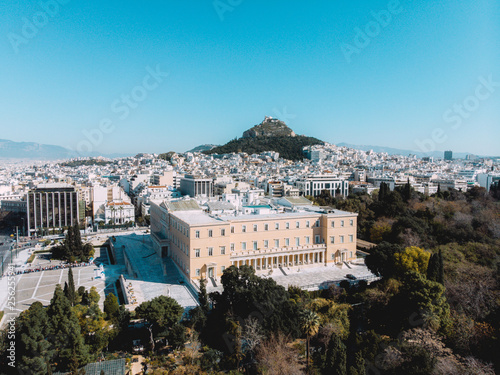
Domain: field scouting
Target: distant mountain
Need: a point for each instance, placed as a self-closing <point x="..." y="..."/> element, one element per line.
<point x="270" y="135"/>
<point x="397" y="151"/>
<point x="202" y="148"/>
<point x="32" y="150"/>
<point x="38" y="151"/>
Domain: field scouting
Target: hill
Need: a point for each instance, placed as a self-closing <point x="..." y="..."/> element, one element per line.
<point x="202" y="148"/>
<point x="270" y="135"/>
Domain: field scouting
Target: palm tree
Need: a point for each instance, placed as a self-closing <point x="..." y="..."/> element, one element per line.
<point x="310" y="326"/>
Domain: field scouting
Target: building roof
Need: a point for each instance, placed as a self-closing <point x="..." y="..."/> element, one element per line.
<point x="181" y="205"/>
<point x="119" y="204"/>
<point x="218" y="205"/>
<point x="298" y="201"/>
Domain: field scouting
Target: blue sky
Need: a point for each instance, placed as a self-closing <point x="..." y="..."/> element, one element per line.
<point x="428" y="78"/>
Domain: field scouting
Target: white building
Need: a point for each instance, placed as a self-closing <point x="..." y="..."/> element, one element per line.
<point x="119" y="213"/>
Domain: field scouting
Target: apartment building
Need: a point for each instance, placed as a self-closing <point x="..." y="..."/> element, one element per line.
<point x="204" y="245"/>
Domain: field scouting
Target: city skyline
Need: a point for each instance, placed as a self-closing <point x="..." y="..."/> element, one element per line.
<point x="172" y="76"/>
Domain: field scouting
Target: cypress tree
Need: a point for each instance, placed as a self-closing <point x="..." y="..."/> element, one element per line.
<point x="202" y="296"/>
<point x="433" y="267"/>
<point x="336" y="357"/>
<point x="71" y="287"/>
<point x="440" y="273"/>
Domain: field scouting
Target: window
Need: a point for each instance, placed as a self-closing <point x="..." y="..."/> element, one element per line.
<point x="341" y="223"/>
<point x="333" y="224"/>
<point x="210" y="233"/>
<point x="210" y="251"/>
<point x="197" y="272"/>
<point x="287" y="225"/>
<point x="333" y="256"/>
<point x="266" y="243"/>
<point x="255" y="245"/>
<point x="222" y="250"/>
<point x="276" y="226"/>
<point x="351" y="238"/>
<point x="297" y="224"/>
<point x="332" y="239"/>
<point x="232" y="229"/>
<point x="266" y="226"/>
<point x="308" y="240"/>
<point x="350" y="256"/>
<point x="255" y="227"/>
<point x="317" y="239"/>
<point x="197" y="234"/>
<point x="197" y="253"/>
<point x="351" y="222"/>
<point x="222" y="232"/>
<point x="341" y="239"/>
<point x="231" y="246"/>
<point x="222" y="269"/>
<point x="243" y="228"/>
<point x="308" y="224"/>
<point x="287" y="242"/>
<point x="243" y="246"/>
<point x="276" y="243"/>
<point x="297" y="241"/>
<point x="317" y="223"/>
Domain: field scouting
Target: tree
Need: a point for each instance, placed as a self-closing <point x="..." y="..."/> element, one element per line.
<point x="335" y="357"/>
<point x="433" y="267"/>
<point x="65" y="332"/>
<point x="177" y="336"/>
<point x="71" y="287"/>
<point x="72" y="248"/>
<point x="202" y="296"/>
<point x="111" y="306"/>
<point x="34" y="352"/>
<point x="310" y="326"/>
<point x="162" y="312"/>
<point x="381" y="259"/>
<point x="275" y="357"/>
<point x="411" y="259"/>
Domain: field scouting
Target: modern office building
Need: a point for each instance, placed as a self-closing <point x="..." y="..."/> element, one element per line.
<point x="448" y="155"/>
<point x="204" y="245"/>
<point x="52" y="206"/>
<point x="197" y="186"/>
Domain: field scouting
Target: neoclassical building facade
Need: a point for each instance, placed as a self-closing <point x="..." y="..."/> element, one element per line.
<point x="204" y="245"/>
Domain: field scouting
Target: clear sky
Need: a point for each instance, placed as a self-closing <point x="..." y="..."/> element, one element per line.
<point x="416" y="75"/>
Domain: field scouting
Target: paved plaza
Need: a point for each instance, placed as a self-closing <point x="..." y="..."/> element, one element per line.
<point x="39" y="286"/>
<point x="311" y="277"/>
<point x="149" y="276"/>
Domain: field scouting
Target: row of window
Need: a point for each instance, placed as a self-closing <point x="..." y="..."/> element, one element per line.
<point x="254" y="245"/>
<point x="276" y="227"/>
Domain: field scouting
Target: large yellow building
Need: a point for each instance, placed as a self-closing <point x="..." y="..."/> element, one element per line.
<point x="203" y="245"/>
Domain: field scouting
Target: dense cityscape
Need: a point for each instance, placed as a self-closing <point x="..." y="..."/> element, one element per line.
<point x="250" y="187"/>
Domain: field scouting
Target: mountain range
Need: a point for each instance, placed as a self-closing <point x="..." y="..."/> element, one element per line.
<point x="38" y="151"/>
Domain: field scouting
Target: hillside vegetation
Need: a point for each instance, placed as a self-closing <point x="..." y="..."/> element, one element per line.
<point x="288" y="147"/>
